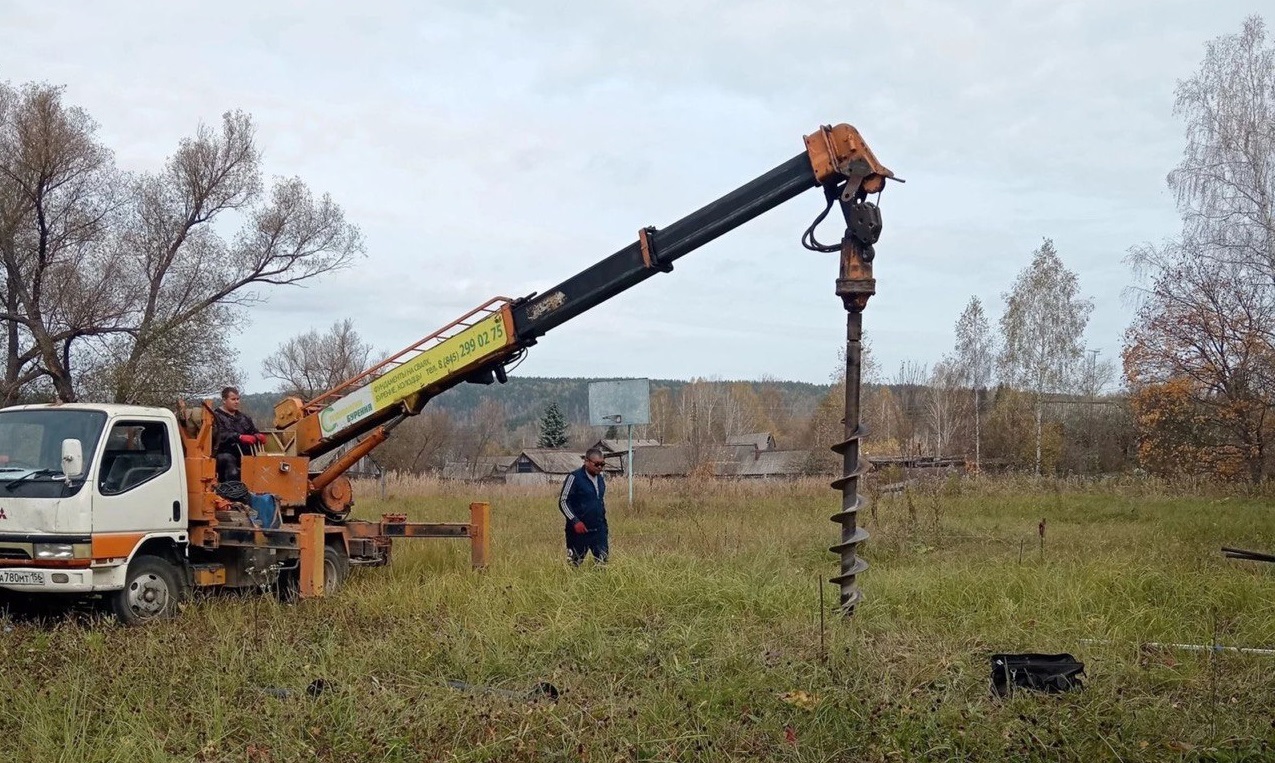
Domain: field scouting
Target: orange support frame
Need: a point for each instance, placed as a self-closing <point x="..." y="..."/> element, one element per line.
<point x="285" y="477"/>
<point x="201" y="469"/>
<point x="310" y="540"/>
<point x="393" y="526"/>
<point x="479" y="537"/>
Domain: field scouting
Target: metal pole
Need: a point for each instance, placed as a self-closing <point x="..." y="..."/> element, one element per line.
<point x="479" y="535"/>
<point x="629" y="466"/>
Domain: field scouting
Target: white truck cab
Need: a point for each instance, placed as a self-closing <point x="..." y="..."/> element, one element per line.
<point x="85" y="490"/>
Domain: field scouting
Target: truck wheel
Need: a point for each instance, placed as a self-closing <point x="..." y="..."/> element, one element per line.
<point x="289" y="588"/>
<point x="152" y="590"/>
<point x="336" y="567"/>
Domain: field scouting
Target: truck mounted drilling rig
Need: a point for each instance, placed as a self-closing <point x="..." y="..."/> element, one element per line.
<point x="123" y="502"/>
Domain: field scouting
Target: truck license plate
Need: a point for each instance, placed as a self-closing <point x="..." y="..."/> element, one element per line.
<point x="21" y="577"/>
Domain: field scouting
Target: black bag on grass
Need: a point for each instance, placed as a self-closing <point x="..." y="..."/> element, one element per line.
<point x="1050" y="673"/>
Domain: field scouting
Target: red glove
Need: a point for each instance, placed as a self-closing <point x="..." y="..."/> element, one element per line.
<point x="579" y="528"/>
<point x="261" y="439"/>
<point x="247" y="439"/>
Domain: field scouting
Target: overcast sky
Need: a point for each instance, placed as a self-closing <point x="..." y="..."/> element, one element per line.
<point x="490" y="148"/>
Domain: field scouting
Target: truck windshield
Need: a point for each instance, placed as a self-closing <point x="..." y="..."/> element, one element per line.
<point x="31" y="440"/>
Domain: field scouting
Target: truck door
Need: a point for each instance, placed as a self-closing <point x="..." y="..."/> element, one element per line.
<point x="138" y="488"/>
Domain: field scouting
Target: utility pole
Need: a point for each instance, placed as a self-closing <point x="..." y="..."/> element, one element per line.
<point x="1092" y="384"/>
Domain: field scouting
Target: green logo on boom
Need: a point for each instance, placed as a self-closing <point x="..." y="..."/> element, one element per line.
<point x="358" y="413"/>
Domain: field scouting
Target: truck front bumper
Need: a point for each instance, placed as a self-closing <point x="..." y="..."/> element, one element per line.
<point x="58" y="580"/>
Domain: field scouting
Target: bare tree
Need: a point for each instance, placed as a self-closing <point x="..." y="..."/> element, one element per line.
<point x="665" y="424"/>
<point x="1095" y="376"/>
<point x="421" y="443"/>
<point x="700" y="407"/>
<point x="909" y="406"/>
<point x="1044" y="320"/>
<point x="780" y="417"/>
<point x="973" y="361"/>
<point x="58" y="199"/>
<point x="125" y="285"/>
<point x="1092" y="421"/>
<point x="310" y="363"/>
<point x="825" y="430"/>
<point x="943" y="404"/>
<point x="743" y="411"/>
<point x="878" y="417"/>
<point x="185" y="267"/>
<point x="180" y="365"/>
<point x="482" y="434"/>
<point x="580" y="435"/>
<point x="1225" y="183"/>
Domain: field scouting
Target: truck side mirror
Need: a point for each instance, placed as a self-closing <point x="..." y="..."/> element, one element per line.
<point x="72" y="458"/>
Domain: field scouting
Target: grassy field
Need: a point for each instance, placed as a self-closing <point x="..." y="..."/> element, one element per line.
<point x="702" y="639"/>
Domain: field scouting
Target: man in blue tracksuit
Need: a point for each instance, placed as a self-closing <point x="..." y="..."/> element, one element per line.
<point x="582" y="503"/>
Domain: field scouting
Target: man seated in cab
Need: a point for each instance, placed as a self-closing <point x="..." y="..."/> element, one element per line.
<point x="233" y="435"/>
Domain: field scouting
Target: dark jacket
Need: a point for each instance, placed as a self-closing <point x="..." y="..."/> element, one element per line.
<point x="579" y="501"/>
<point x="227" y="427"/>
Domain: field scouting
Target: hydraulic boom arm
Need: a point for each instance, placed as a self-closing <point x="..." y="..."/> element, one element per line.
<point x="833" y="156"/>
<point x="477" y="347"/>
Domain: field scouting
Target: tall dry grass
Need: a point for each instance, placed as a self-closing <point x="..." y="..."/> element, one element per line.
<point x="701" y="641"/>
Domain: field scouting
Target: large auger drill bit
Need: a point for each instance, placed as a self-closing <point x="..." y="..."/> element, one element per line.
<point x="854" y="285"/>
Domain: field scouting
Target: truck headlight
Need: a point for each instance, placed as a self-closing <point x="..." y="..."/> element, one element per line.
<point x="54" y="551"/>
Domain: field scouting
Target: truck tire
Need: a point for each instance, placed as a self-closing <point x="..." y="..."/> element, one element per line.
<point x="152" y="591"/>
<point x="289" y="587"/>
<point x="336" y="569"/>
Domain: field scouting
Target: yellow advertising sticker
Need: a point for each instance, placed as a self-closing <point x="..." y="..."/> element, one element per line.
<point x="474" y="344"/>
